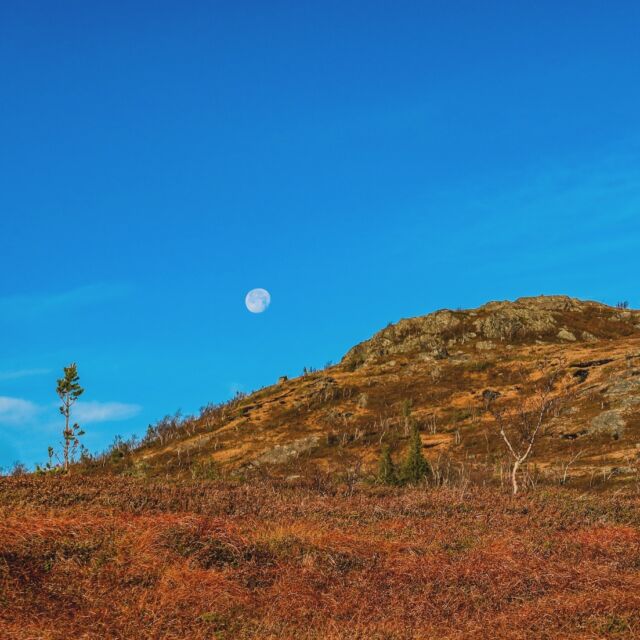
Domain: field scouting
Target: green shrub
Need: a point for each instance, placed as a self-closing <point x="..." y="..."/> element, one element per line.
<point x="387" y="473"/>
<point x="415" y="467"/>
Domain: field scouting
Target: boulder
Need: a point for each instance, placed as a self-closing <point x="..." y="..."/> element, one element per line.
<point x="610" y="422"/>
<point x="282" y="453"/>
<point x="512" y="322"/>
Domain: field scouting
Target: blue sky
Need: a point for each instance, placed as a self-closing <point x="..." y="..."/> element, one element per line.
<point x="362" y="161"/>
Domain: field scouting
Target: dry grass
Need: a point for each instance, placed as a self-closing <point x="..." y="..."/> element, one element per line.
<point x="109" y="557"/>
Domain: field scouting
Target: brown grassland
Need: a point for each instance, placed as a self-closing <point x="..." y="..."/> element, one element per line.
<point x="113" y="557"/>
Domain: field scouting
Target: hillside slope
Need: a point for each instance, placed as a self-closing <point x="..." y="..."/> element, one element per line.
<point x="448" y="366"/>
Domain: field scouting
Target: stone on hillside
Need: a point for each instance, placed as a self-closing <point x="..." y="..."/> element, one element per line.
<point x="282" y="453"/>
<point x="440" y="352"/>
<point x="512" y="322"/>
<point x="564" y="334"/>
<point x="610" y="422"/>
<point x="625" y="388"/>
<point x="485" y="345"/>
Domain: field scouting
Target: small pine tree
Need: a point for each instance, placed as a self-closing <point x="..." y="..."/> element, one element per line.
<point x="69" y="390"/>
<point x="416" y="466"/>
<point x="387" y="470"/>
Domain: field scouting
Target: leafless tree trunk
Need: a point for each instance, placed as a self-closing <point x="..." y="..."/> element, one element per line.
<point x="67" y="433"/>
<point x="520" y="456"/>
<point x="565" y="473"/>
<point x="520" y="427"/>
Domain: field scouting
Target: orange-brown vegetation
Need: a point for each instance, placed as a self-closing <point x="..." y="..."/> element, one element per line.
<point x="113" y="557"/>
<point x="262" y="518"/>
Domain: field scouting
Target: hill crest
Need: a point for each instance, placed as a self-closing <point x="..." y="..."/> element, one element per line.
<point x="531" y="319"/>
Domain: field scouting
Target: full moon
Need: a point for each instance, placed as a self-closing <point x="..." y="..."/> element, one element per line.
<point x="257" y="300"/>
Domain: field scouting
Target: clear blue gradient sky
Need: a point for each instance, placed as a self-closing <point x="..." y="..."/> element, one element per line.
<point x="362" y="161"/>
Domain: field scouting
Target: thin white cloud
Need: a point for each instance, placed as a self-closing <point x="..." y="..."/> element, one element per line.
<point x="88" y="412"/>
<point x="22" y="373"/>
<point x="38" y="304"/>
<point x="16" y="410"/>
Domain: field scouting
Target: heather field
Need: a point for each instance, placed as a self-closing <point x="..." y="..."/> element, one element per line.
<point x="112" y="557"/>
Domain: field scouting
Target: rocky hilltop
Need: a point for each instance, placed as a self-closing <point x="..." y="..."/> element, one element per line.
<point x="445" y="366"/>
<point x="542" y="319"/>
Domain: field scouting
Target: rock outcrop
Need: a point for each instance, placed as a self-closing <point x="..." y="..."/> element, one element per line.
<point x="533" y="319"/>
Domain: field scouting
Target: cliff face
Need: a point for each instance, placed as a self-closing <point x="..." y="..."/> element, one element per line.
<point x="446" y="365"/>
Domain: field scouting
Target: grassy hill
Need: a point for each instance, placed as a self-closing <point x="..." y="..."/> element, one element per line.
<point x="450" y="370"/>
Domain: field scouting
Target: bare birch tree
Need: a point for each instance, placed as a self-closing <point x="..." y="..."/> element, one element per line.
<point x="520" y="425"/>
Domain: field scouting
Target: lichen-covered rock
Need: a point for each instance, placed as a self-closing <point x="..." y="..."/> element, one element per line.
<point x="566" y="335"/>
<point x="625" y="393"/>
<point x="511" y="323"/>
<point x="282" y="453"/>
<point x="610" y="422"/>
<point x="425" y="334"/>
<point x="320" y="391"/>
<point x="624" y="387"/>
